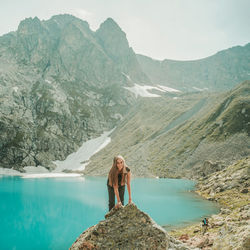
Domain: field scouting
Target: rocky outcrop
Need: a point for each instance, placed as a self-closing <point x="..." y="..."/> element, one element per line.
<point x="126" y="228"/>
<point x="209" y="167"/>
<point x="230" y="228"/>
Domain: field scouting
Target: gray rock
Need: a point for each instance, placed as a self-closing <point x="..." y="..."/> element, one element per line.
<point x="244" y="191"/>
<point x="126" y="228"/>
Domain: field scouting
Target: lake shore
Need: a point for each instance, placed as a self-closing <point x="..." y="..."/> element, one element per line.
<point x="228" y="229"/>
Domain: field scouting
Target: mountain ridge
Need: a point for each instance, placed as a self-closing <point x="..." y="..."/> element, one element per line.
<point x="219" y="72"/>
<point x="62" y="84"/>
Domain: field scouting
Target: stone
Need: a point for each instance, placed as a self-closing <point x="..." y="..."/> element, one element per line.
<point x="126" y="227"/>
<point x="184" y="237"/>
<point x="244" y="191"/>
<point x="225" y="211"/>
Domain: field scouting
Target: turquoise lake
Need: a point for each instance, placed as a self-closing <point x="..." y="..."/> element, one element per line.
<point x="50" y="213"/>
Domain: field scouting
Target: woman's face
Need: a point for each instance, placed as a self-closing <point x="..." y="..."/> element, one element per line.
<point x="119" y="164"/>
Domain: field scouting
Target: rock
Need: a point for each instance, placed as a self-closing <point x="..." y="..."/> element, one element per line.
<point x="246" y="242"/>
<point x="202" y="242"/>
<point x="126" y="228"/>
<point x="244" y="191"/>
<point x="211" y="167"/>
<point x="225" y="211"/>
<point x="184" y="237"/>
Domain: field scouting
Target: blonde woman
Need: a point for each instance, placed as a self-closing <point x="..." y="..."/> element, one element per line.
<point x="119" y="175"/>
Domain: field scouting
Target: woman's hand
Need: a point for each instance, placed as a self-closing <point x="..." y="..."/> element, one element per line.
<point x="118" y="204"/>
<point x="130" y="201"/>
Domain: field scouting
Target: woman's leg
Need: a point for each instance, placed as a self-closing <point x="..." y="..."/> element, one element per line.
<point x="111" y="197"/>
<point x="121" y="193"/>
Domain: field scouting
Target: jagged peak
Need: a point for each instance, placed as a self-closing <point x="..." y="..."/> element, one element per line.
<point x="110" y="25"/>
<point x="111" y="22"/>
<point x="30" y="25"/>
<point x="64" y="19"/>
<point x="112" y="38"/>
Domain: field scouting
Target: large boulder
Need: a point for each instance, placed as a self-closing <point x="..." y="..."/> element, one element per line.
<point x="126" y="228"/>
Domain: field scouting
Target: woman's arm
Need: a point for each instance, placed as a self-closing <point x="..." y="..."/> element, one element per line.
<point x="117" y="196"/>
<point x="128" y="186"/>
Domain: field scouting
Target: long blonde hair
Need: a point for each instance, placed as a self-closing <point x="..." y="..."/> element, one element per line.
<point x="113" y="173"/>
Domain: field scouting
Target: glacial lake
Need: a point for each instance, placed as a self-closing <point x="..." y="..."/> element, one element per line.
<point x="50" y="213"/>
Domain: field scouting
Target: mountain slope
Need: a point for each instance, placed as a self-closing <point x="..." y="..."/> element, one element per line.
<point x="177" y="137"/>
<point x="60" y="86"/>
<point x="221" y="71"/>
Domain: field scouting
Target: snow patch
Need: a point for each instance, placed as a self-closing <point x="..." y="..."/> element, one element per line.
<point x="117" y="116"/>
<point x="199" y="88"/>
<point x="80" y="159"/>
<point x="128" y="77"/>
<point x="15" y="89"/>
<point x="140" y="90"/>
<point x="167" y="89"/>
<point x="48" y="81"/>
<point x="35" y="170"/>
<point x="8" y="171"/>
<point x="50" y="175"/>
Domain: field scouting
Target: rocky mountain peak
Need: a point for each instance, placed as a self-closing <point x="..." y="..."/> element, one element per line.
<point x="113" y="39"/>
<point x="115" y="44"/>
<point x="126" y="228"/>
<point x="63" y="20"/>
<point x="30" y="26"/>
<point x="110" y="23"/>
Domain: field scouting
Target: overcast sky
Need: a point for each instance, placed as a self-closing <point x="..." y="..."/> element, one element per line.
<point x="161" y="29"/>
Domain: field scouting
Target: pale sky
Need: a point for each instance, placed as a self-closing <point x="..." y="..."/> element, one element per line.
<point x="161" y="29"/>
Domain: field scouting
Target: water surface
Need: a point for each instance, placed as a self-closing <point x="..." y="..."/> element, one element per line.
<point x="50" y="213"/>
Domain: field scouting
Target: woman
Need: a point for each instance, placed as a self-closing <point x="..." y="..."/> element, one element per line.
<point x="119" y="174"/>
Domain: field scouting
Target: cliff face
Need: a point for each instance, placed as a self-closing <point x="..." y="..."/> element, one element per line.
<point x="60" y="85"/>
<point x="126" y="228"/>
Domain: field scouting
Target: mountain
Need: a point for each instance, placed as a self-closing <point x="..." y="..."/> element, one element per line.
<point x="60" y="85"/>
<point x="218" y="72"/>
<point x="193" y="135"/>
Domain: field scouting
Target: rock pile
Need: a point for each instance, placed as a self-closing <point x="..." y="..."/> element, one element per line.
<point x="234" y="177"/>
<point x="126" y="228"/>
